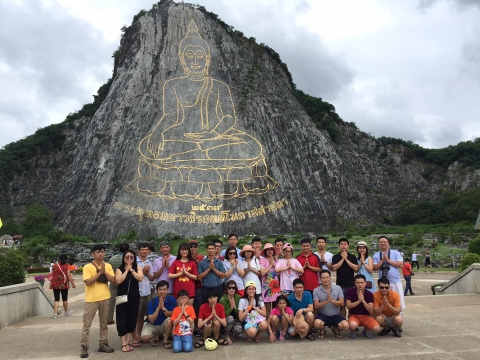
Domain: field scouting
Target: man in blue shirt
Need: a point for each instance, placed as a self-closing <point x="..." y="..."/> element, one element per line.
<point x="388" y="262"/>
<point x="211" y="271"/>
<point x="301" y="303"/>
<point x="159" y="311"/>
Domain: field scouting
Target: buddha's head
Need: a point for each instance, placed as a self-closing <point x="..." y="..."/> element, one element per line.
<point x="194" y="52"/>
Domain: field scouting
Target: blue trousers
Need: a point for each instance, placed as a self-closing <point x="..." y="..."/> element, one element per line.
<point x="182" y="342"/>
<point x="408" y="285"/>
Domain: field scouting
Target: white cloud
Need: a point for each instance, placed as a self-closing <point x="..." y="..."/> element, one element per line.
<point x="407" y="69"/>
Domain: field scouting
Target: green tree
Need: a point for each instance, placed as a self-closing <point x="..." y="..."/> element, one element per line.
<point x="474" y="246"/>
<point x="37" y="221"/>
<point x="11" y="267"/>
<point x="468" y="260"/>
<point x="10" y="227"/>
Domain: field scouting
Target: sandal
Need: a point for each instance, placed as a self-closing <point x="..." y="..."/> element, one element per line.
<point x="352" y="335"/>
<point x="367" y="334"/>
<point x="310" y="336"/>
<point x="257" y="338"/>
<point x="135" y="344"/>
<point x="322" y="333"/>
<point x="336" y="332"/>
<point x="227" y="341"/>
<point x="155" y="342"/>
<point x="282" y="336"/>
<point x="220" y="341"/>
<point x="167" y="344"/>
<point x="199" y="344"/>
<point x="126" y="347"/>
<point x="249" y="339"/>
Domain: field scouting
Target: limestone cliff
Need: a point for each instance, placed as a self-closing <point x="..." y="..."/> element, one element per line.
<point x="236" y="151"/>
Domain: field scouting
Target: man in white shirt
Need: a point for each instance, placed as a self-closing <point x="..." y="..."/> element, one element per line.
<point x="324" y="256"/>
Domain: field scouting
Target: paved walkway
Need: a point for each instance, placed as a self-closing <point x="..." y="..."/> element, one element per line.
<point x="436" y="327"/>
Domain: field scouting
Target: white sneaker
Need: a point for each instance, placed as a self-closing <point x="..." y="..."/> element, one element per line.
<point x="54" y="316"/>
<point x="69" y="312"/>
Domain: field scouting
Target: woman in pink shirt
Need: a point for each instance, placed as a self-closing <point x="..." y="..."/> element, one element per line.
<point x="289" y="269"/>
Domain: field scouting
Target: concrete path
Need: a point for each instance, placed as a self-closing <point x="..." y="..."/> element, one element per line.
<point x="436" y="327"/>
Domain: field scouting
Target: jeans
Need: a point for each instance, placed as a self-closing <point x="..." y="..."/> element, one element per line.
<point x="182" y="342"/>
<point x="408" y="284"/>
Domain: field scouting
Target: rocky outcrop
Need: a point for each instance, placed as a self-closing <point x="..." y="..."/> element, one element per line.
<point x="270" y="171"/>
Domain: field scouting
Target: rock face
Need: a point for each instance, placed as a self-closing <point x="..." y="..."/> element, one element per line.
<point x="200" y="133"/>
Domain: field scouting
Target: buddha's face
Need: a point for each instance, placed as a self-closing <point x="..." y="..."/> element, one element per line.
<point x="195" y="59"/>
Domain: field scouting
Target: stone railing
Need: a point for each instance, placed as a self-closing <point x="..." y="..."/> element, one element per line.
<point x="22" y="301"/>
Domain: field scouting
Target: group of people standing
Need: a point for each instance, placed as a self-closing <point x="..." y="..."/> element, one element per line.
<point x="241" y="291"/>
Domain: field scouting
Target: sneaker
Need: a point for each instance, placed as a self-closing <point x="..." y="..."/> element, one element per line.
<point x="68" y="313"/>
<point x="396" y="332"/>
<point x="55" y="316"/>
<point x="105" y="348"/>
<point x="84" y="353"/>
<point x="110" y="322"/>
<point x="384" y="332"/>
<point x="59" y="311"/>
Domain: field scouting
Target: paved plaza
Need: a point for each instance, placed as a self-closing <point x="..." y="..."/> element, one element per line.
<point x="436" y="327"/>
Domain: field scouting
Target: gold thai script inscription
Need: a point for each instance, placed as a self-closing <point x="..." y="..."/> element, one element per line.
<point x="222" y="217"/>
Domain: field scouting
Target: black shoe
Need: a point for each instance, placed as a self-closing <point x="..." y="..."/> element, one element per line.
<point x="400" y="329"/>
<point x="384" y="332"/>
<point x="84" y="353"/>
<point x="412" y="294"/>
<point x="396" y="332"/>
<point x="110" y="322"/>
<point x="105" y="348"/>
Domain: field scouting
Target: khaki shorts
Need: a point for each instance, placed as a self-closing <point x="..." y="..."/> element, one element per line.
<point x="143" y="307"/>
<point x="152" y="330"/>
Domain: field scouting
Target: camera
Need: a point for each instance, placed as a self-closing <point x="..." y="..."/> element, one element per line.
<point x="384" y="269"/>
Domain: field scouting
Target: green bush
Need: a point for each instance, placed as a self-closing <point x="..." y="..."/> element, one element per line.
<point x="474" y="246"/>
<point x="11" y="268"/>
<point x="468" y="260"/>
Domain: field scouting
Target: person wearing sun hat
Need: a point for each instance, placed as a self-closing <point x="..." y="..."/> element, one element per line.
<point x="270" y="279"/>
<point x="252" y="313"/>
<point x="366" y="266"/>
<point x="289" y="269"/>
<point x="251" y="267"/>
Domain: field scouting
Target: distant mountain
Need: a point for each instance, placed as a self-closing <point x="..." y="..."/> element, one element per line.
<point x="201" y="130"/>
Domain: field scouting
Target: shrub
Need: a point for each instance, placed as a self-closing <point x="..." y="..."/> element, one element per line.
<point x="474" y="246"/>
<point x="11" y="268"/>
<point x="469" y="259"/>
<point x="34" y="270"/>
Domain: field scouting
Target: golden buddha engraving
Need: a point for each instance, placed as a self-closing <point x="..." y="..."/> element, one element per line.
<point x="195" y="152"/>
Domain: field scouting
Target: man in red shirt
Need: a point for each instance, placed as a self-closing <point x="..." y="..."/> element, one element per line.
<point x="311" y="266"/>
<point x="211" y="318"/>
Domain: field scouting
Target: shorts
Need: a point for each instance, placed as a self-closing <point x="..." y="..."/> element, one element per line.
<point x="364" y="320"/>
<point x="57" y="292"/>
<point x="389" y="320"/>
<point x="152" y="330"/>
<point x="143" y="306"/>
<point x="333" y="320"/>
<point x="250" y="325"/>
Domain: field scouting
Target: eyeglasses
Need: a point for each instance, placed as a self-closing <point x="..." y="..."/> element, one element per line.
<point x="193" y="246"/>
<point x="384" y="287"/>
<point x="129" y="257"/>
<point x="231" y="288"/>
<point x="232" y="253"/>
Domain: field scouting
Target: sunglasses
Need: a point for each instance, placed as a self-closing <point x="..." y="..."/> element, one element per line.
<point x="129" y="257"/>
<point x="384" y="287"/>
<point x="231" y="288"/>
<point x="232" y="253"/>
<point x="193" y="246"/>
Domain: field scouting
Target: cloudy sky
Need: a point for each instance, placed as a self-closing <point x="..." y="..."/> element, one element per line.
<point x="408" y="69"/>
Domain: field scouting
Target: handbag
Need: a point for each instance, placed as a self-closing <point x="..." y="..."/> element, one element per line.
<point x="210" y="344"/>
<point x="121" y="299"/>
<point x="369" y="285"/>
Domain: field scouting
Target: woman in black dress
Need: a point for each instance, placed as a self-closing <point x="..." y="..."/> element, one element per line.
<point x="127" y="276"/>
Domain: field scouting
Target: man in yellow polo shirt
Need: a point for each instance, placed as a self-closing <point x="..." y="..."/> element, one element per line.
<point x="96" y="276"/>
